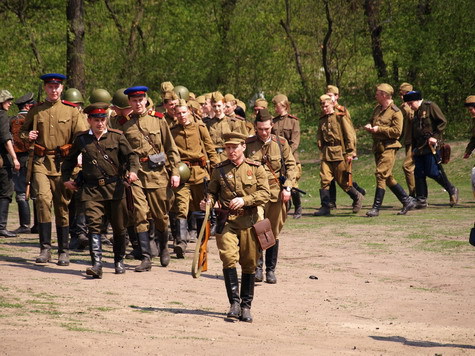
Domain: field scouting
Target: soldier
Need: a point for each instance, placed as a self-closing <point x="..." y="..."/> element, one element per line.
<point x="427" y="130"/>
<point x="120" y="107"/>
<point x="386" y="126"/>
<point x="100" y="96"/>
<point x="197" y="151"/>
<point x="220" y="124"/>
<point x="336" y="139"/>
<point x="288" y="126"/>
<point x="52" y="126"/>
<point x="206" y="106"/>
<point x="24" y="104"/>
<point x="470" y="105"/>
<point x="239" y="185"/>
<point x="260" y="104"/>
<point x="6" y="148"/>
<point x="276" y="157"/>
<point x="170" y="100"/>
<point x="105" y="153"/>
<point x="149" y="135"/>
<point x="230" y="109"/>
<point x="334" y="93"/>
<point x="406" y="139"/>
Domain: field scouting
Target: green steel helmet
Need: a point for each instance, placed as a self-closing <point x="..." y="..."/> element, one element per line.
<point x="120" y="99"/>
<point x="182" y="92"/>
<point x="73" y="96"/>
<point x="100" y="95"/>
<point x="184" y="172"/>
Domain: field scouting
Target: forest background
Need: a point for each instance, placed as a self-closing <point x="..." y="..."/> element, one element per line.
<point x="246" y="47"/>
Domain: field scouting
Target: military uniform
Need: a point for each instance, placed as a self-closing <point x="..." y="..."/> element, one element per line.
<point x="219" y="126"/>
<point x="408" y="164"/>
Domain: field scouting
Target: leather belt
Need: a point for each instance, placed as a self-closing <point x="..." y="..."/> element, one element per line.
<point x="100" y="181"/>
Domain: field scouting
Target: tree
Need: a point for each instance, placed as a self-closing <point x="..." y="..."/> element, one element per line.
<point x="75" y="45"/>
<point x="371" y="10"/>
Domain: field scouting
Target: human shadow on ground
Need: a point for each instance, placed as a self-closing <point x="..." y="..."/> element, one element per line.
<point x="418" y="343"/>
<point x="180" y="311"/>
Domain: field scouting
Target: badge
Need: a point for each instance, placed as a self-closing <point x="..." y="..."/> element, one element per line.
<point x="230" y="176"/>
<point x="249" y="174"/>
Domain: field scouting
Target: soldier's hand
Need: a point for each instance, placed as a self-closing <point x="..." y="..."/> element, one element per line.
<point x="203" y="204"/>
<point x="71" y="185"/>
<point x="285" y="195"/>
<point x="375" y="129"/>
<point x="432" y="141"/>
<point x="33" y="135"/>
<point x="368" y="127"/>
<point x="236" y="203"/>
<point x="16" y="164"/>
<point x="175" y="181"/>
<point x="132" y="177"/>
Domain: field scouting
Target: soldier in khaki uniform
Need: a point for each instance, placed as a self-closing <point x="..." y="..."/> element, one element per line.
<point x="197" y="151"/>
<point x="406" y="139"/>
<point x="230" y="106"/>
<point x="52" y="126"/>
<point x="276" y="157"/>
<point x="288" y="126"/>
<point x="152" y="141"/>
<point x="239" y="185"/>
<point x="386" y="126"/>
<point x="106" y="155"/>
<point x="221" y="124"/>
<point x="336" y="140"/>
<point x="170" y="100"/>
<point x="470" y="105"/>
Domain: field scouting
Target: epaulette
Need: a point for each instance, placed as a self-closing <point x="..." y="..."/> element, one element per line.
<point x="223" y="163"/>
<point x="115" y="131"/>
<point x="123" y="120"/>
<point x="252" y="163"/>
<point x="65" y="102"/>
<point x="395" y="108"/>
<point x="293" y="117"/>
<point x="251" y="139"/>
<point x="155" y="114"/>
<point x="274" y="138"/>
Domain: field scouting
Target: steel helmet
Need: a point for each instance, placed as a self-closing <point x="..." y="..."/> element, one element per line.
<point x="120" y="99"/>
<point x="100" y="95"/>
<point x="73" y="95"/>
<point x="182" y="92"/>
<point x="184" y="172"/>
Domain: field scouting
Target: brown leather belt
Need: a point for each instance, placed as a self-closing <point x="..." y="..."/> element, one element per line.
<point x="244" y="211"/>
<point x="192" y="163"/>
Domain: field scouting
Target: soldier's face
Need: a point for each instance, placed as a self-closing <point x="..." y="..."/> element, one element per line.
<point x="170" y="105"/>
<point x="414" y="105"/>
<point x="138" y="104"/>
<point x="53" y="91"/>
<point x="229" y="108"/>
<point x="218" y="108"/>
<point x="257" y="108"/>
<point x="333" y="96"/>
<point x="6" y="105"/>
<point x="327" y="107"/>
<point x="380" y="96"/>
<point x="471" y="111"/>
<point x="263" y="129"/>
<point x="97" y="124"/>
<point x="182" y="114"/>
<point x="234" y="152"/>
<point x="280" y="108"/>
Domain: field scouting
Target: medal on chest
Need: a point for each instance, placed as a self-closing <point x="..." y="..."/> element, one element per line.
<point x="249" y="174"/>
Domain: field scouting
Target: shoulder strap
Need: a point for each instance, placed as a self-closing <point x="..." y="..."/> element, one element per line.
<point x="147" y="137"/>
<point x="221" y="172"/>
<point x="94" y="161"/>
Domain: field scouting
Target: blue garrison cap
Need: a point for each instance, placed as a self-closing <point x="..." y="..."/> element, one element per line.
<point x="412" y="96"/>
<point x="136" y="91"/>
<point x="53" y="78"/>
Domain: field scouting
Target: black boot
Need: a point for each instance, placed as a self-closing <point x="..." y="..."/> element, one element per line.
<point x="297" y="204"/>
<point x="153" y="242"/>
<point x="260" y="262"/>
<point x="332" y="190"/>
<point x="63" y="245"/>
<point x="271" y="262"/>
<point x="23" y="214"/>
<point x="135" y="254"/>
<point x="247" y="295"/>
<point x="35" y="228"/>
<point x="359" y="189"/>
<point x="180" y="238"/>
<point x="95" y="249"/>
<point x="325" y="199"/>
<point x="162" y="241"/>
<point x="378" y="201"/>
<point x="451" y="189"/>
<point x="408" y="203"/>
<point x="4" y="203"/>
<point x="232" y="288"/>
<point x="357" y="198"/>
<point x="44" y="230"/>
<point x="421" y="193"/>
<point x="144" y="243"/>
<point x="119" y="252"/>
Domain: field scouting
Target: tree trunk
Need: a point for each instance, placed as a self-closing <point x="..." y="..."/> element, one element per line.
<point x="371" y="10"/>
<point x="75" y="45"/>
<point x="326" y="40"/>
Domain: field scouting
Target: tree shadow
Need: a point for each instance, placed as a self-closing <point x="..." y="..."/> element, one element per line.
<point x="416" y="343"/>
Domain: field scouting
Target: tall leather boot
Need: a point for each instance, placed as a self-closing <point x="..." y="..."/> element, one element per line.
<point x="95" y="249"/>
<point x="44" y="230"/>
<point x="153" y="242"/>
<point x="408" y="203"/>
<point x="332" y="190"/>
<point x="63" y="245"/>
<point x="162" y="241"/>
<point x="144" y="243"/>
<point x="35" y="228"/>
<point x="297" y="201"/>
<point x="260" y="262"/>
<point x="4" y="203"/>
<point x="180" y="238"/>
<point x="378" y="201"/>
<point x="247" y="295"/>
<point x="421" y="193"/>
<point x="232" y="289"/>
<point x="119" y="252"/>
<point x="357" y="198"/>
<point x="135" y="254"/>
<point x="449" y="187"/>
<point x="271" y="262"/>
<point x="23" y="214"/>
<point x="359" y="188"/>
<point x="325" y="199"/>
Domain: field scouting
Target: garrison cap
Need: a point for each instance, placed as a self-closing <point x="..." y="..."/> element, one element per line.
<point x="191" y="95"/>
<point x="201" y="99"/>
<point x="263" y="115"/>
<point x="136" y="91"/>
<point x="412" y="96"/>
<point x="217" y="96"/>
<point x="192" y="103"/>
<point x="5" y="95"/>
<point x="241" y="104"/>
<point x="166" y="86"/>
<point x="406" y="87"/>
<point x="182" y="102"/>
<point x="25" y="99"/>
<point x="53" y="78"/>
<point x="208" y="96"/>
<point x="170" y="95"/>
<point x="333" y="89"/>
<point x="386" y="88"/>
<point x="234" y="138"/>
<point x="97" y="109"/>
<point x="470" y="101"/>
<point x="325" y="97"/>
<point x="279" y="98"/>
<point x="229" y="97"/>
<point x="261" y="102"/>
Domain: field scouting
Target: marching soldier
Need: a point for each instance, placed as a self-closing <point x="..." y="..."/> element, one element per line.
<point x="150" y="138"/>
<point x="196" y="151"/>
<point x="52" y="126"/>
<point x="276" y="157"/>
<point x="336" y="140"/>
<point x="408" y="115"/>
<point x="470" y="105"/>
<point x="230" y="106"/>
<point x="386" y="126"/>
<point x="170" y="100"/>
<point x="239" y="185"/>
<point x="105" y="156"/>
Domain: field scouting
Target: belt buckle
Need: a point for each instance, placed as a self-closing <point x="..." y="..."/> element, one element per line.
<point x="101" y="181"/>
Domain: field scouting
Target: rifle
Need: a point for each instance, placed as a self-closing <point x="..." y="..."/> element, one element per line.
<point x="31" y="150"/>
<point x="200" y="257"/>
<point x="282" y="180"/>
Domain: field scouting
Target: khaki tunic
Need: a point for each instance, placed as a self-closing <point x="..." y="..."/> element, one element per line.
<point x="272" y="153"/>
<point x="288" y="126"/>
<point x="385" y="142"/>
<point x="237" y="242"/>
<point x="408" y="164"/>
<point x="218" y="126"/>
